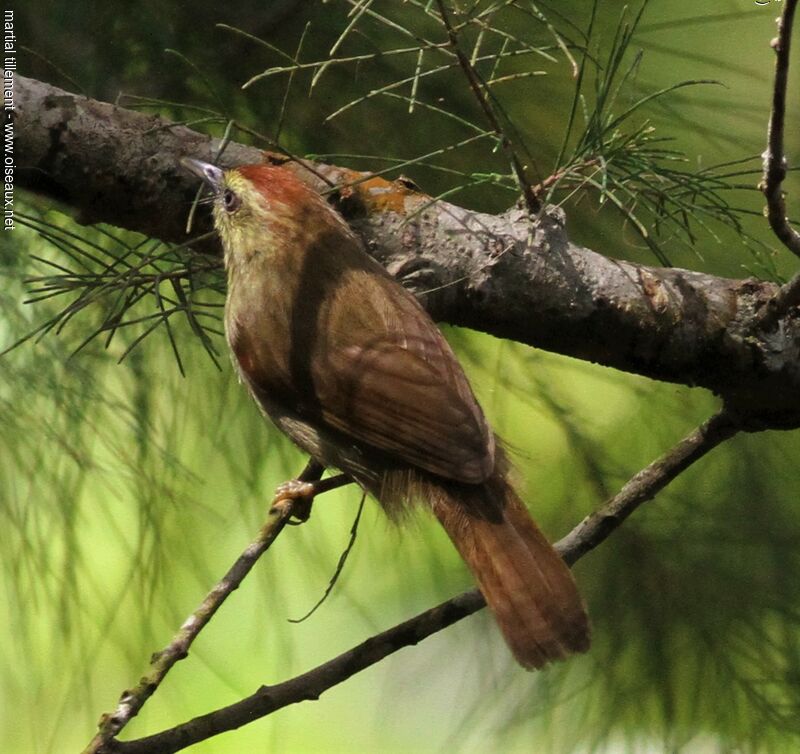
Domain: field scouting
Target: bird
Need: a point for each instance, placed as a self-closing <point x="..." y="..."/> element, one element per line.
<point x="347" y="363"/>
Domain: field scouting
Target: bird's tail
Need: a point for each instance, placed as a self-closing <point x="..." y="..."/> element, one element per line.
<point x="524" y="580"/>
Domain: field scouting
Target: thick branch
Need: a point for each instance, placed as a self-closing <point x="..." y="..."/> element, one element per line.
<point x="492" y="273"/>
<point x="583" y="538"/>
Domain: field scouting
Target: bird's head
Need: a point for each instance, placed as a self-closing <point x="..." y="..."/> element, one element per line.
<point x="255" y="206"/>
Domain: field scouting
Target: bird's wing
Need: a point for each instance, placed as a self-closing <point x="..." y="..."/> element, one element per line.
<point x="392" y="381"/>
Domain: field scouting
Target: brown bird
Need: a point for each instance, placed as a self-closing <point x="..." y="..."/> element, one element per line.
<point x="347" y="363"/>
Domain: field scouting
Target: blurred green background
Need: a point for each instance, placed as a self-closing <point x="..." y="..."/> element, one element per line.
<point x="126" y="490"/>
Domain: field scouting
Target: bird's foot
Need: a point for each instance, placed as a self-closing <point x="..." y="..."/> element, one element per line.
<point x="300" y="494"/>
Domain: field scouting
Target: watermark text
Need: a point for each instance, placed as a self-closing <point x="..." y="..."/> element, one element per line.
<point x="9" y="69"/>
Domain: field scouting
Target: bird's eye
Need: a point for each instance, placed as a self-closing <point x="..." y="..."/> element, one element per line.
<point x="230" y="200"/>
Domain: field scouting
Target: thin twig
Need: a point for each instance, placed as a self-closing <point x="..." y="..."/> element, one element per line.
<point x="339" y="566"/>
<point x="310" y="685"/>
<point x="132" y="700"/>
<point x="774" y="158"/>
<point x="531" y="200"/>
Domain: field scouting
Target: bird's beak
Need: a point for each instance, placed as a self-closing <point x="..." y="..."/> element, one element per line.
<point x="211" y="174"/>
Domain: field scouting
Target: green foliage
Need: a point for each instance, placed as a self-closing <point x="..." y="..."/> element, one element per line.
<point x="118" y="282"/>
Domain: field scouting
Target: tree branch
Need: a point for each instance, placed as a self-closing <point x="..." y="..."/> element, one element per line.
<point x="774" y="157"/>
<point x="645" y="485"/>
<point x="310" y="685"/>
<point x="283" y="506"/>
<point x="775" y="166"/>
<point x="495" y="273"/>
<point x="132" y="700"/>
